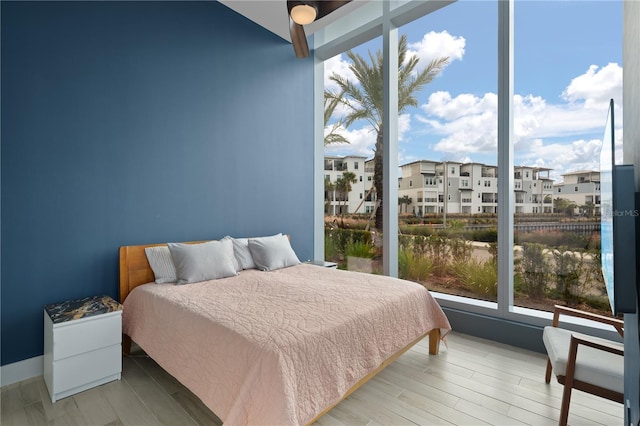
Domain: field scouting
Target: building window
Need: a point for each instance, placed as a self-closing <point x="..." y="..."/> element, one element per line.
<point x="453" y="170"/>
<point x="369" y="178"/>
<point x="575" y="189"/>
<point x="361" y="195"/>
<point x="410" y="183"/>
<point x="360" y="176"/>
<point x="355" y="166"/>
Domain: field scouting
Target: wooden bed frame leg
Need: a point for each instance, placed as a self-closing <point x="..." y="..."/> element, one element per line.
<point x="434" y="341"/>
<point x="126" y="344"/>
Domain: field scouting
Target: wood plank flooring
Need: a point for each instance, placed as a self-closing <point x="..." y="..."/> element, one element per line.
<point x="471" y="382"/>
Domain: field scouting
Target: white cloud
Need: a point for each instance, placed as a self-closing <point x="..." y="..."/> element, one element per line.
<point x="336" y="65"/>
<point x="362" y="142"/>
<point x="432" y="46"/>
<point x="404" y="126"/>
<point x="563" y="136"/>
<point x="437" y="45"/>
<point x="596" y="86"/>
<point x="562" y="157"/>
<point x="468" y="122"/>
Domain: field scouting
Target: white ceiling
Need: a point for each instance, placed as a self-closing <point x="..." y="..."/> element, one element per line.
<point x="273" y="15"/>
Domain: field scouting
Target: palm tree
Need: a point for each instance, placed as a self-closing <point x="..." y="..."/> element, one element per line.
<point x="328" y="190"/>
<point x="343" y="185"/>
<point x="364" y="99"/>
<point x="331" y="101"/>
<point x="406" y="200"/>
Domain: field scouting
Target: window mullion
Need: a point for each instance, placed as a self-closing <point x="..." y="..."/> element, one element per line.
<point x="390" y="145"/>
<point x="505" y="157"/>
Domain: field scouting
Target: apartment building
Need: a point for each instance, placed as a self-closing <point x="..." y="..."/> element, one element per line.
<point x="533" y="190"/>
<point x="361" y="199"/>
<point x="580" y="187"/>
<point x="471" y="188"/>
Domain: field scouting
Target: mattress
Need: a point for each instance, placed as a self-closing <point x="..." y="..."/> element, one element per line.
<point x="278" y="347"/>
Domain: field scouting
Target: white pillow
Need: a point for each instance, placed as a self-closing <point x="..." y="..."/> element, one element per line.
<point x="202" y="262"/>
<point x="242" y="253"/>
<point x="236" y="263"/>
<point x="161" y="264"/>
<point x="271" y="253"/>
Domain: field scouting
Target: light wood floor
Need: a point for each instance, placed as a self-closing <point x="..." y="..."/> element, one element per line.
<point x="471" y="382"/>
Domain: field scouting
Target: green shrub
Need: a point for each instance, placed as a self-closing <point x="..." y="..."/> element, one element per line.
<point x="593" y="272"/>
<point x="534" y="269"/>
<point x="568" y="270"/>
<point x="489" y="235"/>
<point x="416" y="230"/>
<point x="557" y="239"/>
<point x="330" y="249"/>
<point x="413" y="267"/>
<point x="460" y="249"/>
<point x="479" y="277"/>
<point x="359" y="249"/>
<point x="341" y="238"/>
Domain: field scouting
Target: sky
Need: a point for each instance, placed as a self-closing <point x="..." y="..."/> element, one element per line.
<point x="567" y="66"/>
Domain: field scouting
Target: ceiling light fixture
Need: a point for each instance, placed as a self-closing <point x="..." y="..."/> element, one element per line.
<point x="304" y="14"/>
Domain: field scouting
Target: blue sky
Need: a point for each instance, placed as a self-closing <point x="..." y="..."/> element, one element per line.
<point x="568" y="64"/>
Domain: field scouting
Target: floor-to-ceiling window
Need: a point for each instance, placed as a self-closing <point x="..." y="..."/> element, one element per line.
<point x="447" y="154"/>
<point x="353" y="108"/>
<point x="565" y="73"/>
<point x="452" y="163"/>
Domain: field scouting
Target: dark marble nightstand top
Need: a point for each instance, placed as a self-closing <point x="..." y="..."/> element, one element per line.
<point x="81" y="308"/>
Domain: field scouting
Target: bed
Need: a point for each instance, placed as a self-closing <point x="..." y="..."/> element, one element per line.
<point x="279" y="347"/>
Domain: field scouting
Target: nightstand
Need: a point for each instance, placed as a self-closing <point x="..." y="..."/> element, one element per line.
<point x="82" y="345"/>
<point x="323" y="263"/>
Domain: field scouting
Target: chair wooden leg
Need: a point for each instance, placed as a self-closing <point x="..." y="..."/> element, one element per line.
<point x="568" y="381"/>
<point x="564" y="408"/>
<point x="547" y="376"/>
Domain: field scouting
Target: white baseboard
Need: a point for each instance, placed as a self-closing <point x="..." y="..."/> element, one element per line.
<point x="21" y="370"/>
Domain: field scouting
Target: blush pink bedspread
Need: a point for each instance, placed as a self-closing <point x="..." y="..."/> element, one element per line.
<point x="278" y="347"/>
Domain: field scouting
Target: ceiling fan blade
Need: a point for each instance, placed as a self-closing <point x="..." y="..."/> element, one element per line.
<point x="298" y="39"/>
<point x="298" y="36"/>
<point x="325" y="7"/>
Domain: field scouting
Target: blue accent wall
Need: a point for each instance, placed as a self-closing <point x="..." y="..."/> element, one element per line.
<point x="140" y="122"/>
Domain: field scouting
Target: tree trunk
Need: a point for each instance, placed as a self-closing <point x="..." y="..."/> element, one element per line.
<point x="377" y="179"/>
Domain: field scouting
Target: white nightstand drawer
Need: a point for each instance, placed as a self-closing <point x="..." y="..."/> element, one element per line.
<point x="74" y="337"/>
<point x="85" y="368"/>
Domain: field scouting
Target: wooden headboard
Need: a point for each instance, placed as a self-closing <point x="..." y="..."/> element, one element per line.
<point x="135" y="269"/>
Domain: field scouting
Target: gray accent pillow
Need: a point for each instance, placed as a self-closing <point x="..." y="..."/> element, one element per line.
<point x="202" y="262"/>
<point x="234" y="259"/>
<point x="161" y="264"/>
<point x="271" y="253"/>
<point x="243" y="254"/>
